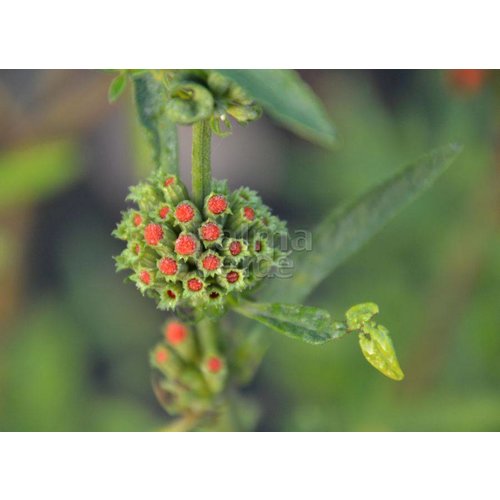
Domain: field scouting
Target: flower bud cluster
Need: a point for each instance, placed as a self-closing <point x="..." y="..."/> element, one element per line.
<point x="184" y="255"/>
<point x="189" y="374"/>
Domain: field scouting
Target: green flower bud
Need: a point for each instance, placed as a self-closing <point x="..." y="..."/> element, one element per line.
<point x="188" y="103"/>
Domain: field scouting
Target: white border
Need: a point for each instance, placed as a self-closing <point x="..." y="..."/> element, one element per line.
<point x="248" y="466"/>
<point x="261" y="33"/>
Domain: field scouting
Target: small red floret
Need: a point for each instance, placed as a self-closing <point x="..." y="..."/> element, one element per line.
<point x="145" y="277"/>
<point x="467" y="80"/>
<point x="232" y="276"/>
<point x="169" y="180"/>
<point x="214" y="364"/>
<point x="195" y="285"/>
<point x="184" y="212"/>
<point x="137" y="220"/>
<point x="176" y="332"/>
<point x="161" y="356"/>
<point x="185" y="245"/>
<point x="168" y="266"/>
<point x="214" y="295"/>
<point x="211" y="263"/>
<point x="153" y="233"/>
<point x="210" y="231"/>
<point x="258" y="246"/>
<point x="171" y="294"/>
<point x="163" y="212"/>
<point x="235" y="248"/>
<point x="249" y="213"/>
<point x="137" y="249"/>
<point x="217" y="204"/>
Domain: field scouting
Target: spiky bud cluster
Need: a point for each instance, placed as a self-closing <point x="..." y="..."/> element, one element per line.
<point x="184" y="255"/>
<point x="189" y="373"/>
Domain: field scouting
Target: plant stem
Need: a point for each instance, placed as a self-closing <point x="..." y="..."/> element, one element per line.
<point x="161" y="132"/>
<point x="201" y="167"/>
<point x="208" y="336"/>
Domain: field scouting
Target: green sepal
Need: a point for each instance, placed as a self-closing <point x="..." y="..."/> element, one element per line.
<point x="145" y="195"/>
<point x="174" y="190"/>
<point x="238" y="285"/>
<point x="245" y="114"/>
<point x="196" y="296"/>
<point x="170" y="294"/>
<point x="235" y="258"/>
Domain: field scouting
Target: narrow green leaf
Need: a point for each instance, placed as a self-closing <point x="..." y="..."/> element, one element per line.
<point x="346" y="229"/>
<point x="305" y="323"/>
<point x="288" y="99"/>
<point x="117" y="86"/>
<point x="150" y="95"/>
<point x="376" y="346"/>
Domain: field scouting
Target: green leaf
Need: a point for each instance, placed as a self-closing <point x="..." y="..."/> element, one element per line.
<point x="35" y="173"/>
<point x="376" y="346"/>
<point x="288" y="99"/>
<point x="117" y="86"/>
<point x="151" y="98"/>
<point x="360" y="314"/>
<point x="346" y="229"/>
<point x="309" y="324"/>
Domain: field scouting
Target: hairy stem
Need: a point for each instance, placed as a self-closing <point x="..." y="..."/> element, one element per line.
<point x="201" y="166"/>
<point x="161" y="132"/>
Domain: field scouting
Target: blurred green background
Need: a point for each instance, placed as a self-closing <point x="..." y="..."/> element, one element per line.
<point x="74" y="339"/>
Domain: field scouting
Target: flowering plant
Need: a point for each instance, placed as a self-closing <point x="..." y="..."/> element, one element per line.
<point x="206" y="252"/>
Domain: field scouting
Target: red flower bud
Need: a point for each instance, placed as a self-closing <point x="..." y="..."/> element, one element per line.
<point x="232" y="276"/>
<point x="163" y="212"/>
<point x="194" y="284"/>
<point x="249" y="213"/>
<point x="176" y="332"/>
<point x="168" y="266"/>
<point x="210" y="231"/>
<point x="211" y="262"/>
<point x="153" y="233"/>
<point x="137" y="220"/>
<point x="169" y="181"/>
<point x="214" y="364"/>
<point x="171" y="294"/>
<point x="184" y="212"/>
<point x="467" y="80"/>
<point x="145" y="277"/>
<point x="235" y="248"/>
<point x="186" y="244"/>
<point x="217" y="204"/>
<point x="161" y="356"/>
